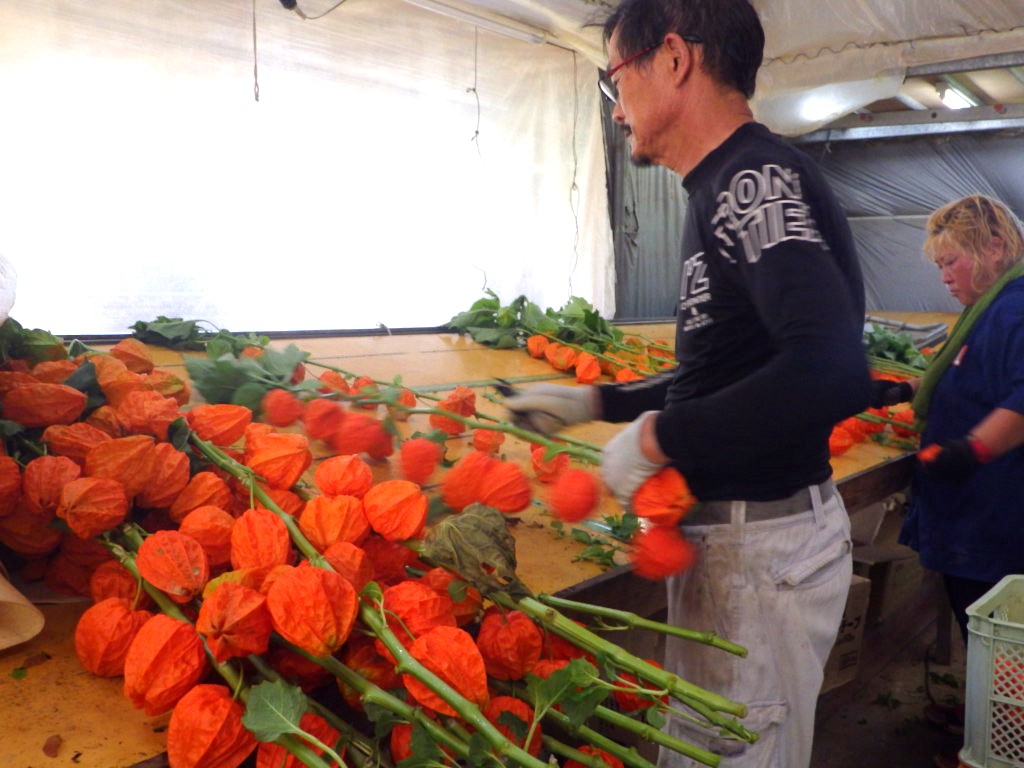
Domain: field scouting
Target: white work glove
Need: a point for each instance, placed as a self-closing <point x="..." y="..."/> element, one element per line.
<point x="549" y="408"/>
<point x="8" y="287"/>
<point x="623" y="465"/>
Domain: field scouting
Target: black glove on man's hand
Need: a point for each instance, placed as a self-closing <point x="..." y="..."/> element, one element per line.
<point x="885" y="392"/>
<point x="953" y="460"/>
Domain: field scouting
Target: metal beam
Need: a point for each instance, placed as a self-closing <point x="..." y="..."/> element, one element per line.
<point x="994" y="61"/>
<point x="886" y="125"/>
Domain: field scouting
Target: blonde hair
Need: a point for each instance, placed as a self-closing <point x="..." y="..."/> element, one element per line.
<point x="972" y="224"/>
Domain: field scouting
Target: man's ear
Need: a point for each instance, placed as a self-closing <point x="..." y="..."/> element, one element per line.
<point x="682" y="54"/>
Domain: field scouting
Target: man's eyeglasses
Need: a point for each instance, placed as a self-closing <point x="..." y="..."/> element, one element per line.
<point x="608" y="87"/>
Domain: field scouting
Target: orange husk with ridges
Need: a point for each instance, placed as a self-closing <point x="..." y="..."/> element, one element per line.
<point x="418" y="458"/>
<point x="259" y="538"/>
<point x="42" y="481"/>
<point x="332" y="381"/>
<point x="574" y="495"/>
<point x="509" y="642"/>
<point x="118" y="386"/>
<point x="271" y="755"/>
<point x="351" y="561"/>
<point x="460" y="485"/>
<point x="275" y="572"/>
<point x="235" y="621"/>
<point x="396" y="509"/>
<point x="503" y="706"/>
<point x="547" y="471"/>
<point x="222" y="424"/>
<point x="250" y="438"/>
<point x="40" y="405"/>
<point x="628" y="701"/>
<point x="322" y="418"/>
<point x="203" y="488"/>
<point x="364" y="386"/>
<point x="134" y="354"/>
<point x="211" y="527"/>
<point x="174" y="563"/>
<point x="54" y="371"/>
<point x="164" y="661"/>
<point x="10" y="485"/>
<point x="561" y="357"/>
<point x="547" y="667"/>
<point x="313" y="608"/>
<point x="460" y="401"/>
<point x="588" y="370"/>
<point x="663" y="498"/>
<point x="414" y="608"/>
<point x="505" y="488"/>
<point x="169" y="477"/>
<point x="466" y="609"/>
<point x="130" y="460"/>
<point x="661" y="551"/>
<point x="535" y="345"/>
<point x="328" y="519"/>
<point x="206" y="730"/>
<point x="22" y="531"/>
<point x="905" y="415"/>
<point x="106" y="419"/>
<point x="169" y="384"/>
<point x="73" y="440"/>
<point x="488" y="440"/>
<point x="346" y="475"/>
<point x="405" y="399"/>
<point x="624" y="375"/>
<point x="556" y="647"/>
<point x="104" y="633"/>
<point x="858" y="428"/>
<point x="450" y="427"/>
<point x="451" y="654"/>
<point x="400" y="742"/>
<point x="12" y="379"/>
<point x="608" y="759"/>
<point x="86" y="552"/>
<point x="390" y="559"/>
<point x="287" y="501"/>
<point x="358" y="433"/>
<point x="280" y="458"/>
<point x="360" y="654"/>
<point x="281" y="408"/>
<point x="92" y="505"/>
<point x="383" y="446"/>
<point x="62" y="576"/>
<point x="840" y="441"/>
<point x="145" y="412"/>
<point x="112" y="579"/>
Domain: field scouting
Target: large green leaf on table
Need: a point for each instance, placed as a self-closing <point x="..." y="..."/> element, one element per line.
<point x="499" y="338"/>
<point x="893" y="345"/>
<point x="224" y="378"/>
<point x="30" y="344"/>
<point x="177" y="333"/>
<point x="481" y="314"/>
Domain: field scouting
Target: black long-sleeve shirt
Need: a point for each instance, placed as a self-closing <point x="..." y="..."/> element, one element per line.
<point x="769" y="328"/>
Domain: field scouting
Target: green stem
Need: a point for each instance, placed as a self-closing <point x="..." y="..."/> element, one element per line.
<point x="657" y="736"/>
<point x="633" y="621"/>
<point x="628" y="755"/>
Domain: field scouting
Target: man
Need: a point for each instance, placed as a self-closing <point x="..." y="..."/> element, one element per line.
<point x="768" y="341"/>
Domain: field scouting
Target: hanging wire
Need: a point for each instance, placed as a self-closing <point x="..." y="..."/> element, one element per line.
<point x="574" y="190"/>
<point x="301" y="13"/>
<point x="255" y="67"/>
<point x="476" y="95"/>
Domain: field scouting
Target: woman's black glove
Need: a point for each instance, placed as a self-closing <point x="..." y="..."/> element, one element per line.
<point x="885" y="392"/>
<point x="954" y="459"/>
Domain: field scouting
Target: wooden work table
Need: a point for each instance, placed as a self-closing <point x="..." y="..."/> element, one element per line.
<point x="96" y="724"/>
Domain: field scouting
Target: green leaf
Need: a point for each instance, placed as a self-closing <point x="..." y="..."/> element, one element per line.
<point x="250" y="395"/>
<point x="273" y="709"/>
<point x="173" y="332"/>
<point x="479" y="751"/>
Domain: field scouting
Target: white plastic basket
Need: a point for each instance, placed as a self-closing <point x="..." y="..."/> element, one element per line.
<point x="994" y="707"/>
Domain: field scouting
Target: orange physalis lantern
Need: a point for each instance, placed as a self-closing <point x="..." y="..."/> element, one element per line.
<point x="280" y="458"/>
<point x="839" y="441"/>
<point x="664" y="497"/>
<point x="627" y="374"/>
<point x="505" y="488"/>
<point x="206" y="730"/>
<point x="313" y="608"/>
<point x="414" y="608"/>
<point x="40" y="405"/>
<point x="608" y="759"/>
<point x="281" y="408"/>
<point x="389" y="558"/>
<point x="405" y="400"/>
<point x="510" y="644"/>
<point x="351" y="561"/>
<point x="488" y="440"/>
<point x="259" y="538"/>
<point x="451" y="654"/>
<point x="574" y="495"/>
<point x="460" y="485"/>
<point x="73" y="440"/>
<point x="360" y="654"/>
<point x="235" y="621"/>
<point x="501" y="707"/>
<point x="129" y="460"/>
<point x="536" y="344"/>
<point x="42" y="481"/>
<point x="460" y="401"/>
<point x="92" y="505"/>
<point x="169" y="385"/>
<point x="547" y="470"/>
<point x="332" y="381"/>
<point x="466" y="599"/>
<point x="106" y="419"/>
<point x="271" y="755"/>
<point x="134" y="354"/>
<point x="419" y="457"/>
<point x="10" y="485"/>
<point x="174" y="563"/>
<point x="221" y="424"/>
<point x="169" y="478"/>
<point x="588" y="370"/>
<point x="111" y="579"/>
<point x="204" y="488"/>
<point x="164" y="661"/>
<point x="359" y="433"/>
<point x="661" y="551"/>
<point x="211" y="527"/>
<point x="629" y="701"/>
<point x="396" y="509"/>
<point x="561" y="357"/>
<point x="345" y="475"/>
<point x="21" y="532"/>
<point x="104" y="633"/>
<point x="54" y="371"/>
<point x="323" y="417"/>
<point x="328" y="519"/>
<point x="904" y="415"/>
<point x="145" y="412"/>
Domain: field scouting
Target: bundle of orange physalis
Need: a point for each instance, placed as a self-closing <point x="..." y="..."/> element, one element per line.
<point x="292" y="575"/>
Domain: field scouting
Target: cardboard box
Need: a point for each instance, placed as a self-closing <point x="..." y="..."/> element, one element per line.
<point x="844" y="659"/>
<point x="895" y="573"/>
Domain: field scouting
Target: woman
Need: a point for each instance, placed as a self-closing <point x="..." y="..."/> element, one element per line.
<point x="967" y="500"/>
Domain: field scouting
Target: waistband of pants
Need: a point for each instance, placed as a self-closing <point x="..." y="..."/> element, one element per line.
<point x="720" y="512"/>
